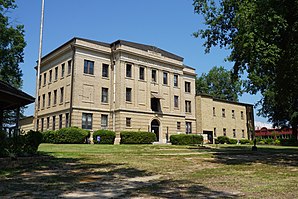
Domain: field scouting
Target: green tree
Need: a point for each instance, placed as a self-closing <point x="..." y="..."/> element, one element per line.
<point x="12" y="45"/>
<point x="219" y="84"/>
<point x="263" y="38"/>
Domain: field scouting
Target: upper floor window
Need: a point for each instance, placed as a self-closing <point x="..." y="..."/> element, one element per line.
<point x="223" y="112"/>
<point x="142" y="73"/>
<point x="86" y="120"/>
<point x="233" y="114"/>
<point x="105" y="70"/>
<point x="153" y="75"/>
<point x="188" y="106"/>
<point x="44" y="79"/>
<point x="234" y="133"/>
<point x="49" y="99"/>
<point x="128" y="70"/>
<point x="56" y="73"/>
<point x="89" y="67"/>
<point x="128" y="94"/>
<point x="187" y="87"/>
<point x="214" y="113"/>
<point x="43" y="100"/>
<point x="39" y="81"/>
<point x="165" y="78"/>
<point x="38" y="103"/>
<point x="175" y="80"/>
<point x="61" y="94"/>
<point x="242" y="115"/>
<point x="62" y="70"/>
<point x="176" y="101"/>
<point x="69" y="67"/>
<point x="50" y="76"/>
<point x="55" y="97"/>
<point x="224" y="131"/>
<point x="104" y="95"/>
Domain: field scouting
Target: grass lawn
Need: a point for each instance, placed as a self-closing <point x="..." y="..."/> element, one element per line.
<point x="152" y="171"/>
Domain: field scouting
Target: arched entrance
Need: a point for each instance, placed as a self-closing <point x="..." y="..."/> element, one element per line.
<point x="155" y="128"/>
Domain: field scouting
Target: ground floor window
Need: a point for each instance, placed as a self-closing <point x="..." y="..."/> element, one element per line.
<point x="214" y="132"/>
<point x="128" y="122"/>
<point x="104" y="121"/>
<point x="86" y="120"/>
<point x="60" y="121"/>
<point x="188" y="127"/>
<point x="243" y="135"/>
<point x="66" y="119"/>
<point x="234" y="133"/>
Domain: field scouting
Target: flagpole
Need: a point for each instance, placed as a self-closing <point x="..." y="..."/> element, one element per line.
<point x="38" y="64"/>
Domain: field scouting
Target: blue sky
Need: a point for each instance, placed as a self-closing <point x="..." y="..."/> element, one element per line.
<point x="167" y="24"/>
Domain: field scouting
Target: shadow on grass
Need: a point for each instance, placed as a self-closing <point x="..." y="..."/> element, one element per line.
<point x="237" y="155"/>
<point x="46" y="176"/>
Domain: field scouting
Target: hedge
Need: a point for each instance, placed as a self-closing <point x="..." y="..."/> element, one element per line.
<point x="21" y="145"/>
<point x="70" y="135"/>
<point x="106" y="137"/>
<point x="222" y="139"/>
<point x="186" y="139"/>
<point x="128" y="137"/>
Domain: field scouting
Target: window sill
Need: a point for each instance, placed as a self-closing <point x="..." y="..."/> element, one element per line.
<point x="61" y="77"/>
<point x="142" y="80"/>
<point x="105" y="103"/>
<point x="107" y="78"/>
<point x="88" y="75"/>
<point x="128" y="102"/>
<point x="129" y="78"/>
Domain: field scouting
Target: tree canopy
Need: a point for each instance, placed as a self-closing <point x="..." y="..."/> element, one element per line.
<point x="263" y="38"/>
<point x="219" y="84"/>
<point x="12" y="45"/>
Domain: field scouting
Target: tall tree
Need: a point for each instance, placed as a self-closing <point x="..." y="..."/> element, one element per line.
<point x="263" y="38"/>
<point x="12" y="45"/>
<point x="219" y="84"/>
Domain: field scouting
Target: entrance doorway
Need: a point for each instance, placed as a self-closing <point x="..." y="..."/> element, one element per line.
<point x="155" y="128"/>
<point x="209" y="136"/>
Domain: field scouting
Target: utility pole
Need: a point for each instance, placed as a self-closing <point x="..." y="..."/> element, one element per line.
<point x="38" y="64"/>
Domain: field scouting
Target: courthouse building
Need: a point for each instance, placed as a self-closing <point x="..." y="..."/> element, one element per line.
<point x="120" y="86"/>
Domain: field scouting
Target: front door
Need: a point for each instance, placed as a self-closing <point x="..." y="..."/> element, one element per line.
<point x="155" y="128"/>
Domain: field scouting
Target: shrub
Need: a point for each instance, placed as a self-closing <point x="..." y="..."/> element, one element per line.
<point x="269" y="141"/>
<point x="106" y="137"/>
<point x="277" y="142"/>
<point x="232" y="141"/>
<point x="137" y="137"/>
<point x="71" y="135"/>
<point x="222" y="139"/>
<point x="289" y="142"/>
<point x="49" y="136"/>
<point x="3" y="143"/>
<point x="32" y="141"/>
<point x="244" y="141"/>
<point x="186" y="139"/>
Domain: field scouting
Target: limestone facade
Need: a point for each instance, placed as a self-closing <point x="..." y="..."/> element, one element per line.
<point x="122" y="86"/>
<point x="217" y="117"/>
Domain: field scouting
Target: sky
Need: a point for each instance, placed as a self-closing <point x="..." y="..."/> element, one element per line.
<point x="166" y="24"/>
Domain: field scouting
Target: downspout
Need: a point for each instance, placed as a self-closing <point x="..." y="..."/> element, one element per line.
<point x="71" y="83"/>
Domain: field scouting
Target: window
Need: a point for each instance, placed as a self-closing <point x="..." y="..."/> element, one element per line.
<point x="165" y="78"/>
<point x="233" y="114"/>
<point x="187" y="87"/>
<point x="243" y="135"/>
<point x="61" y="94"/>
<point x="37" y="122"/>
<point x="42" y="122"/>
<point x="142" y="73"/>
<point x="234" y="133"/>
<point x="155" y="104"/>
<point x="48" y="123"/>
<point x="188" y="127"/>
<point x="214" y="131"/>
<point x="176" y="101"/>
<point x="128" y="122"/>
<point x="105" y="70"/>
<point x="49" y="99"/>
<point x="128" y="94"/>
<point x="39" y="81"/>
<point x="86" y="120"/>
<point x="60" y="121"/>
<point x="66" y="119"/>
<point x="224" y="131"/>
<point x="128" y="70"/>
<point x="223" y="112"/>
<point x="242" y="116"/>
<point x="50" y="76"/>
<point x="54" y="122"/>
<point x="153" y="75"/>
<point x="62" y="70"/>
<point x="214" y="113"/>
<point x="43" y="100"/>
<point x="44" y="79"/>
<point x="104" y="121"/>
<point x="55" y="97"/>
<point x="188" y="106"/>
<point x="38" y="103"/>
<point x="104" y="95"/>
<point x="175" y="80"/>
<point x="56" y="73"/>
<point x="179" y="126"/>
<point x="89" y="67"/>
<point x="69" y="67"/>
